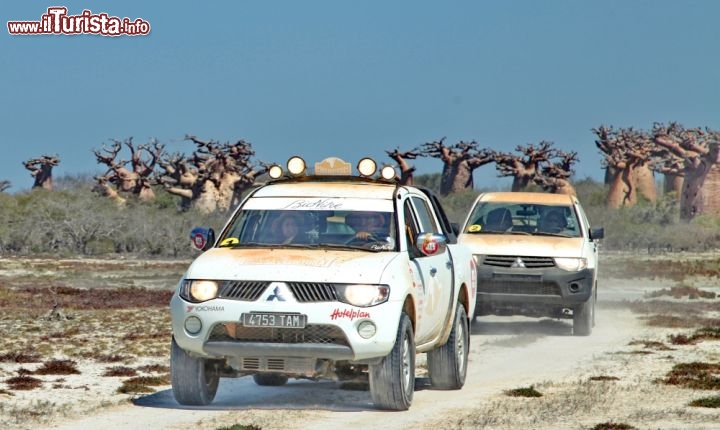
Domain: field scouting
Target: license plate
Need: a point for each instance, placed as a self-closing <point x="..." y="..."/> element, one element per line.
<point x="261" y="319"/>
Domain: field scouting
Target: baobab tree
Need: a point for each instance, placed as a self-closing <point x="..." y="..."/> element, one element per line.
<point x="627" y="160"/>
<point x="137" y="179"/>
<point x="104" y="188"/>
<point x="523" y="168"/>
<point x="406" y="170"/>
<point x="555" y="177"/>
<point x="459" y="162"/>
<point x="214" y="177"/>
<point x="41" y="169"/>
<point x="700" y="151"/>
<point x="671" y="167"/>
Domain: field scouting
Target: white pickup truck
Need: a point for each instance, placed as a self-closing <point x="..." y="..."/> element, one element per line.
<point x="329" y="275"/>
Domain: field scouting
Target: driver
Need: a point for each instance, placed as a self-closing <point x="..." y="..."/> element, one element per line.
<point x="366" y="224"/>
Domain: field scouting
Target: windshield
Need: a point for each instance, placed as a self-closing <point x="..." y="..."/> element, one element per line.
<point x="371" y="230"/>
<point x="524" y="218"/>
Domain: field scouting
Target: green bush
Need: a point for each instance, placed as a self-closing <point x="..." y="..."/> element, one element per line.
<point x="74" y="220"/>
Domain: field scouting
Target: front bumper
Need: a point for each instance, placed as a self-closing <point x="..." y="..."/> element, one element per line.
<point x="531" y="291"/>
<point x="331" y="331"/>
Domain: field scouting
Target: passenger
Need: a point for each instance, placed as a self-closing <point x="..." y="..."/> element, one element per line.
<point x="552" y="221"/>
<point x="499" y="219"/>
<point x="289" y="228"/>
<point x="367" y="224"/>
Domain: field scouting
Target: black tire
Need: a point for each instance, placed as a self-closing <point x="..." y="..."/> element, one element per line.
<point x="270" y="379"/>
<point x="584" y="317"/>
<point x="392" y="381"/>
<point x="193" y="381"/>
<point x="447" y="365"/>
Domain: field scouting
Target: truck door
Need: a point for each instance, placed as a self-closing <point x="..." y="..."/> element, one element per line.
<point x="434" y="274"/>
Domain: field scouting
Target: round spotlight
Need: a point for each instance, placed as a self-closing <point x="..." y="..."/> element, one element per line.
<point x="388" y="172"/>
<point x="366" y="329"/>
<point x="193" y="325"/>
<point x="296" y="166"/>
<point x="367" y="167"/>
<point x="275" y="171"/>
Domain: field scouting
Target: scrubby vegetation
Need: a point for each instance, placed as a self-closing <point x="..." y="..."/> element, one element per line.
<point x="74" y="220"/>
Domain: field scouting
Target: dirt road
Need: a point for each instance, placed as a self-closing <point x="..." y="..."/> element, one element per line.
<point x="506" y="353"/>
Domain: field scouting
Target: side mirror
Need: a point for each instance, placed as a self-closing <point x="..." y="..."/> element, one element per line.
<point x="202" y="238"/>
<point x="597" y="233"/>
<point x="455" y="228"/>
<point x="431" y="243"/>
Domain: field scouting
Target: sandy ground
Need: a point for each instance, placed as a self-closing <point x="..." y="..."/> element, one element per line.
<point x="506" y="353"/>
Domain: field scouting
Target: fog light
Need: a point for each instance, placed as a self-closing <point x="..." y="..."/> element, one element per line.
<point x="366" y="329"/>
<point x="193" y="325"/>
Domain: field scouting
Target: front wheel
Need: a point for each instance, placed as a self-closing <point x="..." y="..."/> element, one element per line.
<point x="584" y="317"/>
<point x="447" y="365"/>
<point x="193" y="380"/>
<point x="392" y="381"/>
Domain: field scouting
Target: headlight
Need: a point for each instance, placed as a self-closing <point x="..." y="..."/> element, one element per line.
<point x="571" y="264"/>
<point x="199" y="290"/>
<point x="363" y="295"/>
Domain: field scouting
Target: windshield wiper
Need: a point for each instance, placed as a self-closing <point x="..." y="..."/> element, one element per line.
<point x="499" y="232"/>
<point x="344" y="246"/>
<point x="544" y="233"/>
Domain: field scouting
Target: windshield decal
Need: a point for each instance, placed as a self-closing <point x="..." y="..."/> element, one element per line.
<point x="314" y="204"/>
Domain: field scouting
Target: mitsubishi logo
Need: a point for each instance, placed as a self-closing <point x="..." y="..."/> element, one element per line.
<point x="518" y="264"/>
<point x="276" y="295"/>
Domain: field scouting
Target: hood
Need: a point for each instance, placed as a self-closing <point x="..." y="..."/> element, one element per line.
<point x="531" y="246"/>
<point x="282" y="264"/>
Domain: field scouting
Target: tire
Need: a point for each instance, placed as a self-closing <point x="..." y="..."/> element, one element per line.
<point x="270" y="379"/>
<point x="447" y="365"/>
<point x="392" y="381"/>
<point x="584" y="317"/>
<point x="193" y="381"/>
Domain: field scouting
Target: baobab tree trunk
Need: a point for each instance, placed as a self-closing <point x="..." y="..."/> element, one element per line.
<point x="520" y="182"/>
<point x="701" y="191"/>
<point x="456" y="177"/>
<point x="673" y="183"/>
<point x="567" y="188"/>
<point x="645" y="182"/>
<point x="610" y="173"/>
<point x="622" y="190"/>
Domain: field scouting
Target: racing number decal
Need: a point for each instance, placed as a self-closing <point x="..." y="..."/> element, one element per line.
<point x="199" y="240"/>
<point x="429" y="245"/>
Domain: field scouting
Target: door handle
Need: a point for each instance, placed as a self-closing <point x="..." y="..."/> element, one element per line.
<point x="433" y="271"/>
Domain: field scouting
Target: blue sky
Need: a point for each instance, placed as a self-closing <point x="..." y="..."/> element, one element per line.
<point x="356" y="78"/>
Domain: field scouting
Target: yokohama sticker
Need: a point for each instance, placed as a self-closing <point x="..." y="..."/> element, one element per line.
<point x="204" y="308"/>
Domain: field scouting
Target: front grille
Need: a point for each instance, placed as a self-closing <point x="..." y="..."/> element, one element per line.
<point x="312" y="333"/>
<point x="310" y="292"/>
<point x="304" y="292"/>
<point x="508" y="260"/>
<point x="242" y="290"/>
<point x="531" y="288"/>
